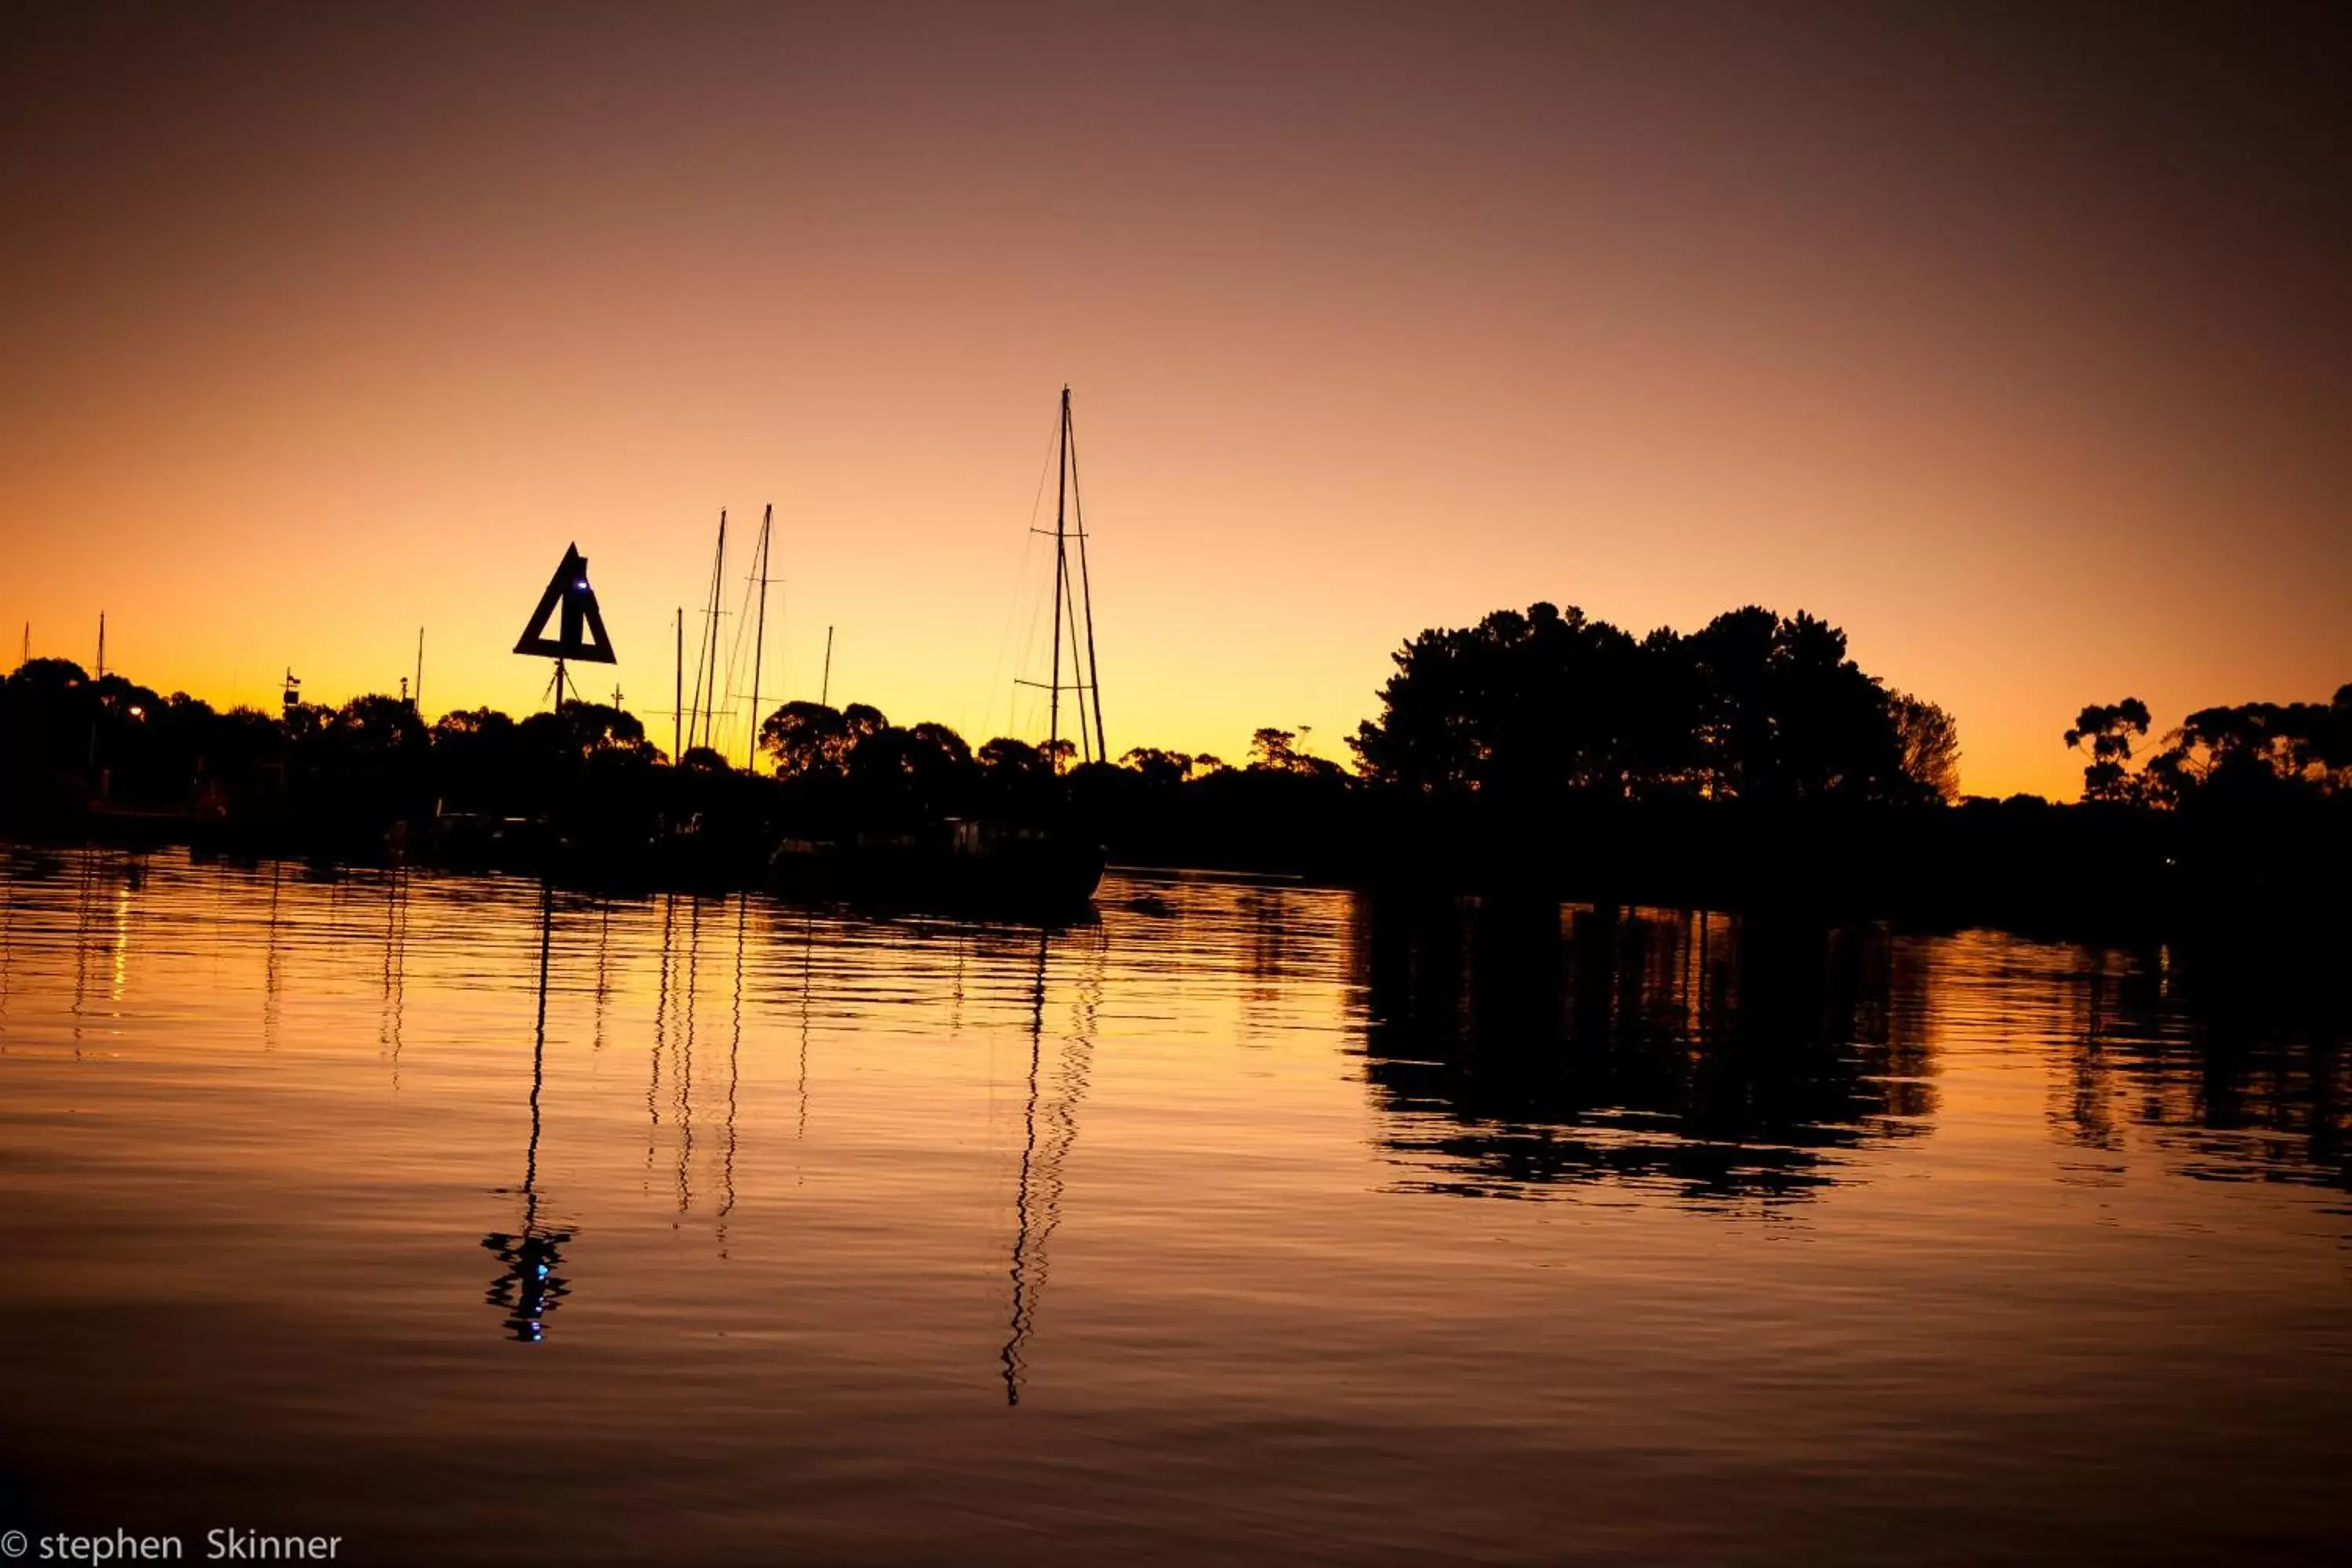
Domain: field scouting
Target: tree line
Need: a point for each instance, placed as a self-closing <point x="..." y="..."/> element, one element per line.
<point x="2252" y="753"/>
<point x="1545" y="736"/>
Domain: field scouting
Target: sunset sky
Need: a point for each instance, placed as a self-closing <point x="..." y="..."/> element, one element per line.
<point x="2019" y="347"/>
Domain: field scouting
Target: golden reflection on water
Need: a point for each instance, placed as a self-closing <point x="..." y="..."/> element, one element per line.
<point x="431" y="1209"/>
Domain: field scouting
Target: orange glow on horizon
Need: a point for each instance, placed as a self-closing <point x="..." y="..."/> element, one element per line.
<point x="1373" y="322"/>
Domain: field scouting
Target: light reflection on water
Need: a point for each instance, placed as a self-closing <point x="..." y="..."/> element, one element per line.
<point x="438" y="1212"/>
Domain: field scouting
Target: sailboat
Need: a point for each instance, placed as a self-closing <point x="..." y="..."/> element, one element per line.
<point x="1035" y="866"/>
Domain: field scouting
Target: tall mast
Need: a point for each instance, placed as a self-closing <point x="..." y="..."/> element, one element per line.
<point x="718" y="599"/>
<point x="694" y="703"/>
<point x="1061" y="577"/>
<point x="677" y="694"/>
<point x="101" y="644"/>
<point x="824" y="690"/>
<point x="706" y="691"/>
<point x="417" y="692"/>
<point x="759" y="643"/>
<point x="1077" y="670"/>
<point x="1085" y="584"/>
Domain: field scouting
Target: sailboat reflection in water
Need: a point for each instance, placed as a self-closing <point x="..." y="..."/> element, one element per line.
<point x="531" y="1287"/>
<point x="1049" y="1127"/>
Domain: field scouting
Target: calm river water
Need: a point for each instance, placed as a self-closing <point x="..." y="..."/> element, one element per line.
<point x="1251" y="1223"/>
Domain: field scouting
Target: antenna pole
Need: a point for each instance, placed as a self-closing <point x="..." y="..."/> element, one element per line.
<point x="1061" y="577"/>
<point x="1086" y="587"/>
<point x="824" y="691"/>
<point x="758" y="644"/>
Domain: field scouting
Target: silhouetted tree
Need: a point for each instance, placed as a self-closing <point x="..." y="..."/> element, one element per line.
<point x="1532" y="708"/>
<point x="1004" y="756"/>
<point x="2109" y="728"/>
<point x="925" y="768"/>
<point x="1158" y="767"/>
<point x="1931" y="747"/>
<point x="304" y="720"/>
<point x="941" y="741"/>
<point x="1272" y="750"/>
<point x="806" y="738"/>
<point x="2254" y="751"/>
<point x="47" y="677"/>
<point x="861" y="720"/>
<point x="376" y="725"/>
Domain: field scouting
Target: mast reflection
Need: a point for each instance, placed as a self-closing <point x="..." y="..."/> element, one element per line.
<point x="603" y="967"/>
<point x="799" y="1085"/>
<point x="669" y="1068"/>
<point x="85" y="941"/>
<point x="395" y="967"/>
<point x="661" y="1034"/>
<point x="1048" y="1129"/>
<point x="269" y="968"/>
<point x="734" y="1051"/>
<point x="8" y="873"/>
<point x="682" y="1073"/>
<point x="529" y="1287"/>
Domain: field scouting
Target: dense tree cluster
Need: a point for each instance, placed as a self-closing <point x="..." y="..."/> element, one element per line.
<point x="2249" y="754"/>
<point x="71" y="742"/>
<point x="1529" y="708"/>
<point x="838" y="763"/>
<point x="64" y="736"/>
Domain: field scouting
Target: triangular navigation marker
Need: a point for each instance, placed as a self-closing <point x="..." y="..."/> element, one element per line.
<point x="569" y="587"/>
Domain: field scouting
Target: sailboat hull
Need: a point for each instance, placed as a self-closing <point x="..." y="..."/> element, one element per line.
<point x="959" y="871"/>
